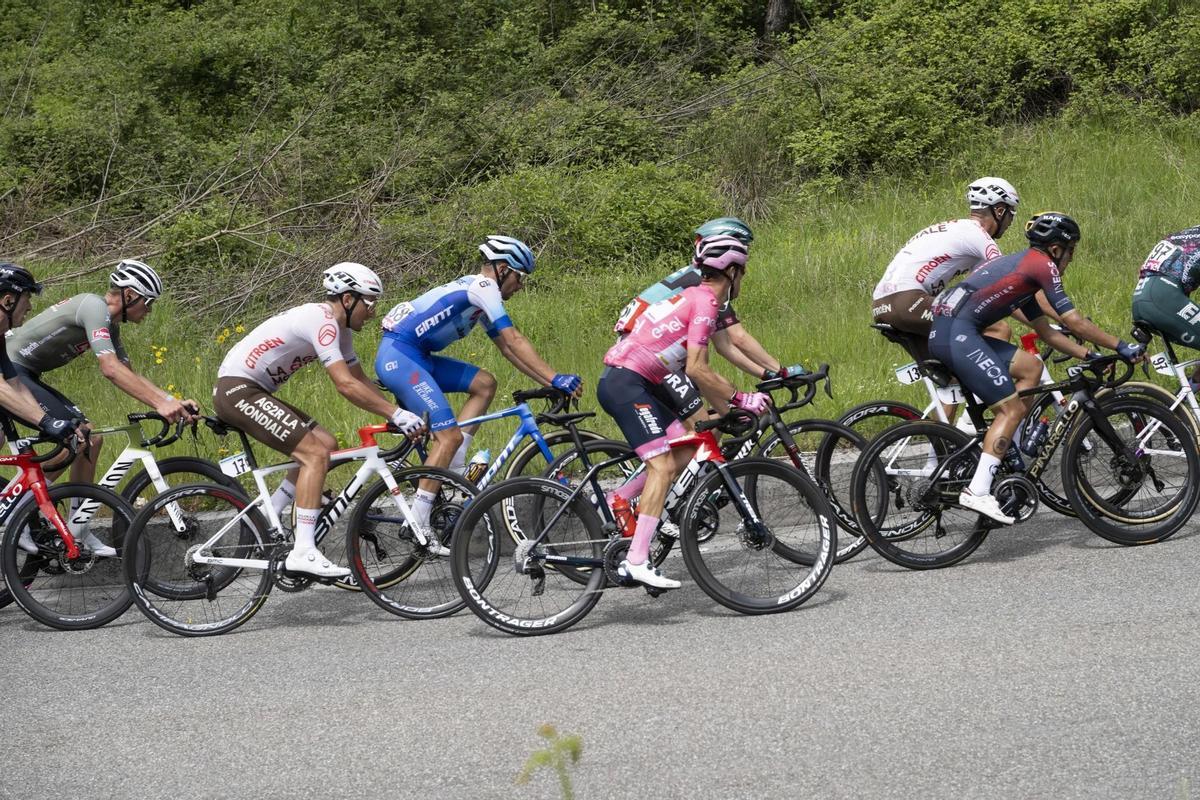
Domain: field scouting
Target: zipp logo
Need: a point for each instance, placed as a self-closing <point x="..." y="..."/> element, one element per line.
<point x="434" y="320"/>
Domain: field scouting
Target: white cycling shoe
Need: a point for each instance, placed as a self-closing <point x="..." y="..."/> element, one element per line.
<point x="88" y="541"/>
<point x="644" y="573"/>
<point x="26" y="541"/>
<point x="432" y="544"/>
<point x="314" y="562"/>
<point x="984" y="504"/>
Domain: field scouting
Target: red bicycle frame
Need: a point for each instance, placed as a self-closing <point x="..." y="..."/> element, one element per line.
<point x="31" y="478"/>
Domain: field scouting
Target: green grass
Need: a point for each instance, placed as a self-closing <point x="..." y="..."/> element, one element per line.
<point x="807" y="295"/>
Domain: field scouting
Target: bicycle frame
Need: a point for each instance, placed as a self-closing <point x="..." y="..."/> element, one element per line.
<point x="30" y="478"/>
<point x="373" y="465"/>
<point x="526" y="427"/>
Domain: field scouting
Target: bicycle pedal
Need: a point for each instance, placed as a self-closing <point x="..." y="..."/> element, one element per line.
<point x="654" y="591"/>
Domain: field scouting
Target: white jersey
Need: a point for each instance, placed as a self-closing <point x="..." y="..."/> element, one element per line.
<point x="936" y="255"/>
<point x="273" y="351"/>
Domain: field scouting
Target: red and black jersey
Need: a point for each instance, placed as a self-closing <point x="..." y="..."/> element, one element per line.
<point x="999" y="287"/>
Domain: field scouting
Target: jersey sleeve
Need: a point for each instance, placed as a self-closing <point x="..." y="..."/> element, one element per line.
<point x="1049" y="278"/>
<point x="484" y="294"/>
<point x="703" y="319"/>
<point x="92" y="316"/>
<point x="981" y="244"/>
<point x="726" y="317"/>
<point x="318" y="327"/>
<point x="6" y="367"/>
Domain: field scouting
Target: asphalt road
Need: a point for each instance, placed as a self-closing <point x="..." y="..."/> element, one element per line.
<point x="1049" y="664"/>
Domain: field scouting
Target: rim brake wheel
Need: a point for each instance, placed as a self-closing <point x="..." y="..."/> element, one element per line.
<point x="922" y="527"/>
<point x="506" y="579"/>
<point x="182" y="595"/>
<point x="771" y="560"/>
<point x="397" y="573"/>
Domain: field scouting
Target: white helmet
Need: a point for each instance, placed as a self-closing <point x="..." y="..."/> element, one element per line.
<point x="350" y="277"/>
<point x="987" y="192"/>
<point x="138" y="276"/>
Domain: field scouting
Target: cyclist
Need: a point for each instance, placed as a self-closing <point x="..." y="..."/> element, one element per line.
<point x="86" y="321"/>
<point x="1161" y="298"/>
<point x="407" y="362"/>
<point x="730" y="338"/>
<point x="995" y="369"/>
<point x="17" y="286"/>
<point x="267" y="357"/>
<point x="903" y="298"/>
<point x="669" y="336"/>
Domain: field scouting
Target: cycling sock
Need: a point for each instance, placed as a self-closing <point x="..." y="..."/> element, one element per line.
<point x="422" y="506"/>
<point x="283" y="495"/>
<point x="639" y="548"/>
<point x="459" y="462"/>
<point x="985" y="471"/>
<point x="629" y="490"/>
<point x="306" y="528"/>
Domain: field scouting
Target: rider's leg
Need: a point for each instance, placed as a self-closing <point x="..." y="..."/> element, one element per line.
<point x="83" y="468"/>
<point x="1026" y="372"/>
<point x="480" y="392"/>
<point x="312" y="454"/>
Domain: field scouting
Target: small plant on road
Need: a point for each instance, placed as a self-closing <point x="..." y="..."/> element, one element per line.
<point x="559" y="754"/>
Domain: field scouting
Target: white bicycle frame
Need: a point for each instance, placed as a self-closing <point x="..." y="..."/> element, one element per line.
<point x="373" y="465"/>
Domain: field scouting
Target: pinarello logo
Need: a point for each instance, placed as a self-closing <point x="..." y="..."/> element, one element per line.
<point x="100" y="333"/>
<point x="415" y="378"/>
<point x="327" y="335"/>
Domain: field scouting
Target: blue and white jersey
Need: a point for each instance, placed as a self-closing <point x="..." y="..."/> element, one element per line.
<point x="442" y="316"/>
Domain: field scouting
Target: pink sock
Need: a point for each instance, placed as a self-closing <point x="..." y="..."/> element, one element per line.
<point x="631" y="489"/>
<point x="639" y="548"/>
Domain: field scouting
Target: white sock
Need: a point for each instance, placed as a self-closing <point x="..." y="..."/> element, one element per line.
<point x="460" y="457"/>
<point x="985" y="472"/>
<point x="422" y="506"/>
<point x="306" y="528"/>
<point x="283" y="495"/>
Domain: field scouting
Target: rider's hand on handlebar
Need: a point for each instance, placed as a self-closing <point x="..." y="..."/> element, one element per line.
<point x="566" y="382"/>
<point x="60" y="430"/>
<point x="407" y="423"/>
<point x="754" y="402"/>
<point x="1132" y="353"/>
<point x="784" y="372"/>
<point x="173" y="410"/>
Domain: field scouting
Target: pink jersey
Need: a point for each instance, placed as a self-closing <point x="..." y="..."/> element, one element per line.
<point x="657" y="345"/>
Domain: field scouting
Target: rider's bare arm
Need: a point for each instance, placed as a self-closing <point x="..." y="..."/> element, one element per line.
<point x="716" y="389"/>
<point x="358" y="390"/>
<point x="518" y="350"/>
<point x="1055" y="339"/>
<point x="357" y="371"/>
<point x="1084" y="328"/>
<point x="1047" y="308"/>
<point x="731" y="344"/>
<point x="142" y="389"/>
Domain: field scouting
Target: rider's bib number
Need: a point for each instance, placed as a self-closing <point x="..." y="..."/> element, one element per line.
<point x="950" y="395"/>
<point x="235" y="465"/>
<point x="1161" y="364"/>
<point x="1163" y="252"/>
<point x="909" y="373"/>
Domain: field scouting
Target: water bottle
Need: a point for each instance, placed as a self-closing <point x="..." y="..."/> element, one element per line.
<point x="477" y="465"/>
<point x="1035" y="436"/>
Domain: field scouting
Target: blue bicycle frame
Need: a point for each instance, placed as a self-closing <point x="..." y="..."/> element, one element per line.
<point x="527" y="427"/>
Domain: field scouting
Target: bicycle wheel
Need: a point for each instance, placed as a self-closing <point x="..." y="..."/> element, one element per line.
<point x="868" y="420"/>
<point x="1139" y="487"/>
<point x="188" y="597"/>
<point x="773" y="547"/>
<point x="923" y="526"/>
<point x="505" y="550"/>
<point x="139" y="489"/>
<point x="828" y="452"/>
<point x="398" y="574"/>
<point x="65" y="593"/>
<point x="529" y="460"/>
<point x="1157" y="394"/>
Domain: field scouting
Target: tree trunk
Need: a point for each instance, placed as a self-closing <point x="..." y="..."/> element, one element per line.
<point x="779" y="16"/>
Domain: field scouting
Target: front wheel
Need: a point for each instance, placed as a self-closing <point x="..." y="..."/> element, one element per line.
<point x="771" y="548"/>
<point x="62" y="592"/>
<point x="398" y="574"/>
<point x="1131" y="474"/>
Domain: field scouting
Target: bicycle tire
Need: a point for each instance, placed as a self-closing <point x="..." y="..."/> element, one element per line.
<point x="898" y="540"/>
<point x="385" y="561"/>
<point x="772" y="573"/>
<point x="868" y="420"/>
<point x="92" y="587"/>
<point x="497" y="586"/>
<point x="180" y="595"/>
<point x="1158" y="394"/>
<point x="520" y="461"/>
<point x="196" y="470"/>
<point x="832" y="474"/>
<point x="1130" y="520"/>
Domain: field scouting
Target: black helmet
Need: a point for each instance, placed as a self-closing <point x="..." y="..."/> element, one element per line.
<point x="1051" y="227"/>
<point x="14" y="280"/>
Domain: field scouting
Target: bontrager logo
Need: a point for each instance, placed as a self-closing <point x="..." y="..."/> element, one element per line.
<point x="434" y="320"/>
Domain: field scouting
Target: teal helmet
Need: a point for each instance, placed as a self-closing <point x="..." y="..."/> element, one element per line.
<point x="726" y="226"/>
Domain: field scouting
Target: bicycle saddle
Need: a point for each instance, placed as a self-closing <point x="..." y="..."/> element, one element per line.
<point x="937" y="372"/>
<point x="1144" y="332"/>
<point x="913" y="343"/>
